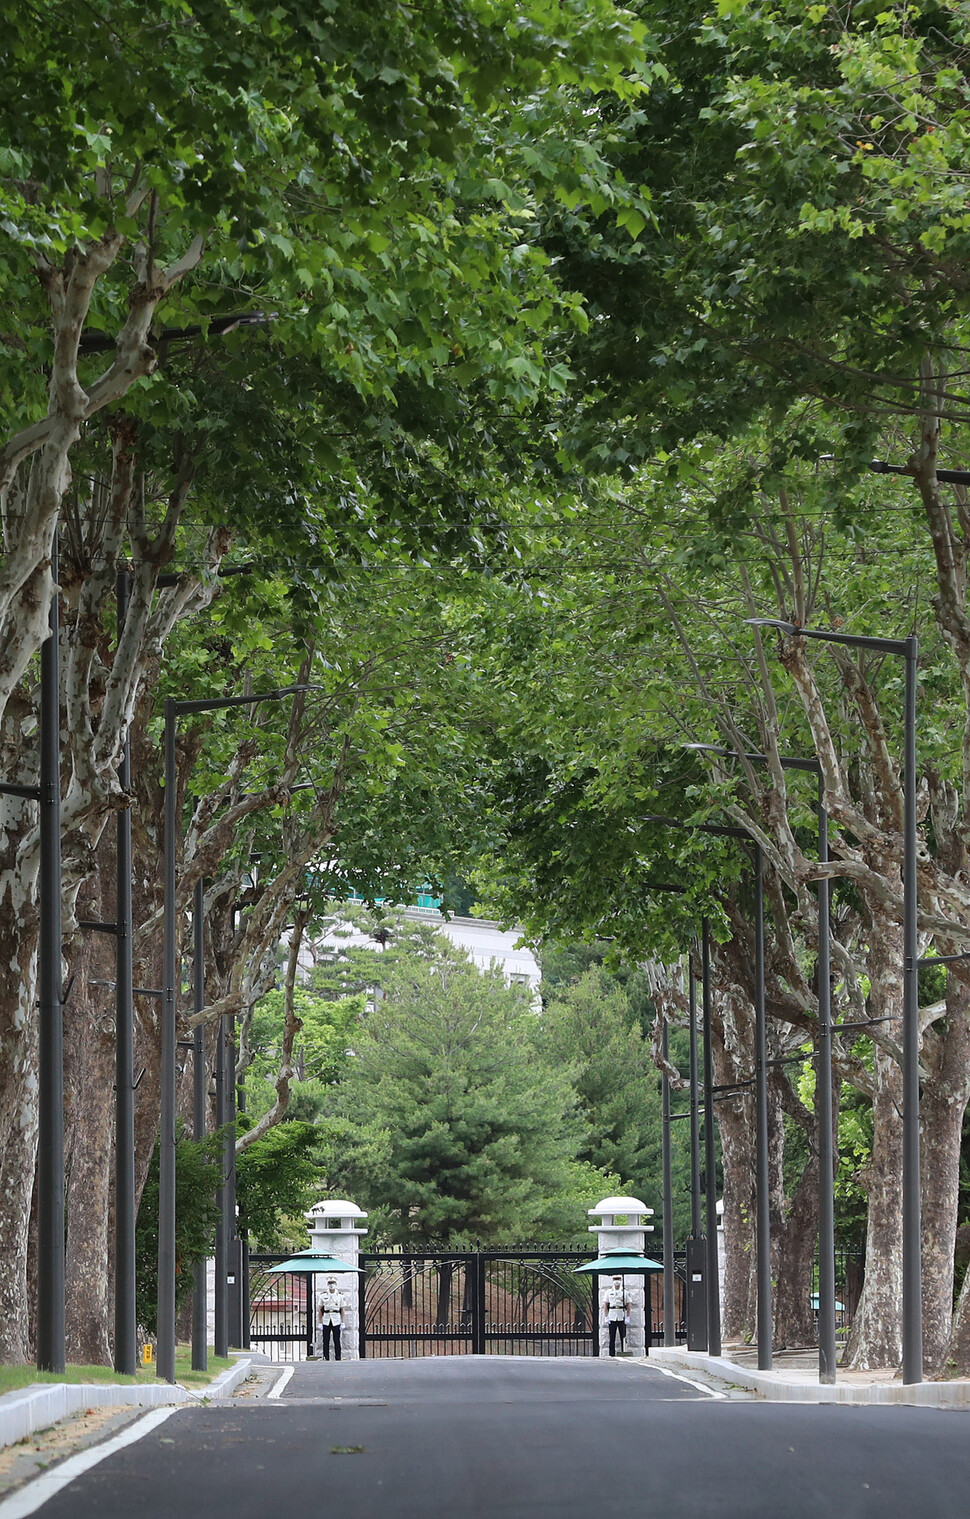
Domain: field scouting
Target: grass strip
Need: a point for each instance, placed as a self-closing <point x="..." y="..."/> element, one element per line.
<point x="14" y="1377"/>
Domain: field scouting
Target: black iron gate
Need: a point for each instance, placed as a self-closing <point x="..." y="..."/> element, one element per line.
<point x="502" y="1301"/>
<point x="280" y="1310"/>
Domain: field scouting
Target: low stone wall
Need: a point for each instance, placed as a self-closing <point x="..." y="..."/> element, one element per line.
<point x="30" y="1408"/>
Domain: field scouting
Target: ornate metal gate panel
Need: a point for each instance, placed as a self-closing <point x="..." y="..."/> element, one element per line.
<point x="416" y="1305"/>
<point x="485" y="1302"/>
<point x="512" y="1301"/>
<point x="280" y="1310"/>
<point x="535" y="1305"/>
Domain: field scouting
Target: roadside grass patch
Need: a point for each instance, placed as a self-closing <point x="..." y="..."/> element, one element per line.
<point x="14" y="1377"/>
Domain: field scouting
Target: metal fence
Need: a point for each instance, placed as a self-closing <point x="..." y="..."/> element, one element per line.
<point x="850" y="1273"/>
<point x="280" y="1310"/>
<point x="475" y="1303"/>
<point x="504" y="1301"/>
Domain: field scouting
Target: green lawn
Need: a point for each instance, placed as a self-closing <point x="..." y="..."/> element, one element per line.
<point x="12" y="1377"/>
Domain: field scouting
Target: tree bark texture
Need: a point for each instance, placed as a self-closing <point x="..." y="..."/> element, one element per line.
<point x="942" y="1108"/>
<point x="89" y="1147"/>
<point x="875" y="1340"/>
<point x="733" y="1029"/>
<point x="739" y="1304"/>
<point x="18" y="1111"/>
<point x="958" y="1350"/>
<point x="795" y="1262"/>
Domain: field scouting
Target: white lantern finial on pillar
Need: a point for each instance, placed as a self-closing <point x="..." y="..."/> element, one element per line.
<point x="629" y="1235"/>
<point x="333" y="1231"/>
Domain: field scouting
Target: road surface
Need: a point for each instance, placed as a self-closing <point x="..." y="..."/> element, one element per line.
<point x="514" y="1438"/>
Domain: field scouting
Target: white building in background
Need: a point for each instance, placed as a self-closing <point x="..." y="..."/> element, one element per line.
<point x="484" y="941"/>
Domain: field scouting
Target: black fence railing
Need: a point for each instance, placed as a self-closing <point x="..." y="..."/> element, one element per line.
<point x="520" y="1299"/>
<point x="517" y="1300"/>
<point x="280" y="1310"/>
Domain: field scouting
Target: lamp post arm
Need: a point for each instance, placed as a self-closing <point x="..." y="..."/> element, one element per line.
<point x="946" y="476"/>
<point x="668" y="822"/>
<point x="787" y="761"/>
<point x="825" y="635"/>
<point x="217" y="703"/>
<point x="839" y="803"/>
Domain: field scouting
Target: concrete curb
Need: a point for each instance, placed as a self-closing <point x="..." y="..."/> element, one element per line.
<point x="45" y="1403"/>
<point x="227" y="1381"/>
<point x="775" y="1387"/>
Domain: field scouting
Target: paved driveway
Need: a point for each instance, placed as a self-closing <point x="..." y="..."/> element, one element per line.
<point x="508" y="1438"/>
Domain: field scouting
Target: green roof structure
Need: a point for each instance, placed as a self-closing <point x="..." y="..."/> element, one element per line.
<point x="619" y="1263"/>
<point x="312" y="1264"/>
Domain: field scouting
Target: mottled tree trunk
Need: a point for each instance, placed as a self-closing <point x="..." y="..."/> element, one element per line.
<point x="89" y="1059"/>
<point x="89" y="1044"/>
<point x="942" y="1108"/>
<point x="795" y="1263"/>
<point x="958" y="1351"/>
<point x="875" y="1339"/>
<point x="146" y="895"/>
<point x="794" y="1220"/>
<point x="89" y="1264"/>
<point x="738" y="1308"/>
<point x="18" y="1104"/>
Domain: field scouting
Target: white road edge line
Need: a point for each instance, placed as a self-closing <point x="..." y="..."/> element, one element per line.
<point x="274" y="1392"/>
<point x="678" y="1376"/>
<point x="37" y="1492"/>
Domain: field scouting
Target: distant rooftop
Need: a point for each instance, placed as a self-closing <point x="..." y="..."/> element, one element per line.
<point x="481" y="938"/>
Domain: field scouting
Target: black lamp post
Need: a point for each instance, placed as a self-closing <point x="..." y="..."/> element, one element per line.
<point x="125" y="1347"/>
<point x="221" y="1284"/>
<point x="710" y="1157"/>
<point x="948" y="476"/>
<point x="670" y="1326"/>
<point x="697" y="1272"/>
<point x="823" y="1071"/>
<point x="50" y="1150"/>
<point x="763" y="1224"/>
<point x="669" y="1311"/>
<point x="166" y="1156"/>
<point x="200" y="1351"/>
<point x="696" y="1302"/>
<point x="908" y="649"/>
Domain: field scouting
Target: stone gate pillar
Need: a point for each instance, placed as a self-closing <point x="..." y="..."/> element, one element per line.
<point x="623" y="1226"/>
<point x="333" y="1231"/>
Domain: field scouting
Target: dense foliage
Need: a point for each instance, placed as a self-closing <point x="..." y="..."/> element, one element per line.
<point x="520" y="353"/>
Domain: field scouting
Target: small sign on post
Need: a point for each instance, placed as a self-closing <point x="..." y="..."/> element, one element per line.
<point x="147" y="1353"/>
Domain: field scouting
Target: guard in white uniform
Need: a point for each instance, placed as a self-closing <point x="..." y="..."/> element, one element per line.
<point x="616" y="1312"/>
<point x="330" y="1317"/>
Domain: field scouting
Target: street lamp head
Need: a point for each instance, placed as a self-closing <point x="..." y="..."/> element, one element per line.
<point x="217" y="704"/>
<point x="773" y="622"/>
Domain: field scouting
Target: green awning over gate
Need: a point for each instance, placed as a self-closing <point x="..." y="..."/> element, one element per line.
<point x="619" y="1263"/>
<point x="314" y="1265"/>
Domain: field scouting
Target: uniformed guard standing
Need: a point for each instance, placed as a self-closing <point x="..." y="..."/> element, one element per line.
<point x="616" y="1311"/>
<point x="330" y="1318"/>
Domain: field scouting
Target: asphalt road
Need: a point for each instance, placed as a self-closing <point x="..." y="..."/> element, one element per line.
<point x="505" y="1438"/>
